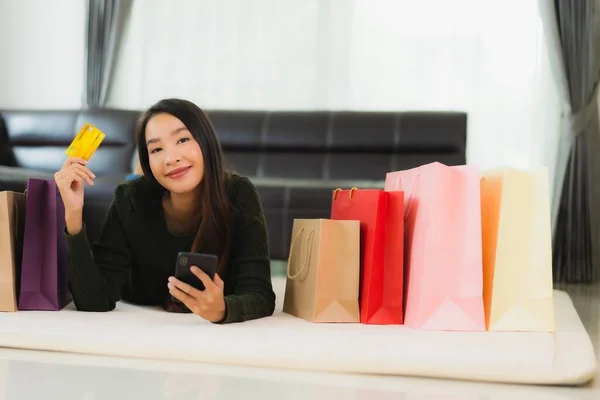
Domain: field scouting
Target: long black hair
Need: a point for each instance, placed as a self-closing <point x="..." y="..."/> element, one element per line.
<point x="214" y="233"/>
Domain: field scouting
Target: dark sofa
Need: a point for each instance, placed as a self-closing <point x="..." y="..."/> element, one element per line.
<point x="295" y="159"/>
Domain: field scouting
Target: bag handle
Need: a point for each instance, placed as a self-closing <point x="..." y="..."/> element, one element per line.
<point x="339" y="189"/>
<point x="17" y="225"/>
<point x="410" y="206"/>
<point x="308" y="253"/>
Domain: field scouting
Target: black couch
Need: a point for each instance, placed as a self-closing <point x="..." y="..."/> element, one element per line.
<point x="295" y="159"/>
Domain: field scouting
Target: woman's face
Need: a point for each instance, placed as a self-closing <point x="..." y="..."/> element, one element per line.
<point x="175" y="157"/>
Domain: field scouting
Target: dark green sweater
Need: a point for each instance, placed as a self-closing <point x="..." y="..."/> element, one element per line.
<point x="136" y="254"/>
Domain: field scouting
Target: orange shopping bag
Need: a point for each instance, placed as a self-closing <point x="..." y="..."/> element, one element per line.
<point x="443" y="256"/>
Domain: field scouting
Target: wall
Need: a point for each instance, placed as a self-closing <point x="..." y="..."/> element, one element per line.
<point x="42" y="53"/>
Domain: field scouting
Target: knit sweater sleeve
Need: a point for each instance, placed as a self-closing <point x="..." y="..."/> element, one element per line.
<point x="252" y="294"/>
<point x="97" y="275"/>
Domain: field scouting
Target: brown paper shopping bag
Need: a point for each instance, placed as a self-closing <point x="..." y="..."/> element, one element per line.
<point x="323" y="271"/>
<point x="12" y="223"/>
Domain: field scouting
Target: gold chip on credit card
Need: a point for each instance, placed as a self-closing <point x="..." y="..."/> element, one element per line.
<point x="86" y="142"/>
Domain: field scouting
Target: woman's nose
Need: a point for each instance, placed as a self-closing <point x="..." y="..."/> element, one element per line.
<point x="172" y="158"/>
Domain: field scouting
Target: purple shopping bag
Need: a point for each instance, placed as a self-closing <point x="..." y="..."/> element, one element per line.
<point x="44" y="274"/>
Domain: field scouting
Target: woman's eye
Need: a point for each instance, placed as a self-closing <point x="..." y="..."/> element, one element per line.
<point x="183" y="140"/>
<point x="155" y="150"/>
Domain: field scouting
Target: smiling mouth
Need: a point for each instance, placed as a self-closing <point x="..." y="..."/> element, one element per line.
<point x="178" y="173"/>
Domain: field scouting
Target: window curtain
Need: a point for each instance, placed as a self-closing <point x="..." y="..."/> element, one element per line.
<point x="492" y="59"/>
<point x="576" y="252"/>
<point x="105" y="20"/>
<point x="42" y="54"/>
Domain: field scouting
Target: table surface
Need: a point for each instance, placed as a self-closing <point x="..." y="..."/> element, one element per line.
<point x="26" y="374"/>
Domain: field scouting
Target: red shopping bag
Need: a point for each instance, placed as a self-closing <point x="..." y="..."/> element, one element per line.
<point x="381" y="216"/>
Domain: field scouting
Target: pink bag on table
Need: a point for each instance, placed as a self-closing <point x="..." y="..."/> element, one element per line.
<point x="443" y="254"/>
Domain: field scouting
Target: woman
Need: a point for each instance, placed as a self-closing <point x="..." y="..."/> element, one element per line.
<point x="185" y="200"/>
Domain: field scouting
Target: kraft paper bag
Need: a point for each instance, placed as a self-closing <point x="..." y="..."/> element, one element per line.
<point x="12" y="222"/>
<point x="381" y="216"/>
<point x="323" y="271"/>
<point x="517" y="250"/>
<point x="44" y="274"/>
<point x="442" y="248"/>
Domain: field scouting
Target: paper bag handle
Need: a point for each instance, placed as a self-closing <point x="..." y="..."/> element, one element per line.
<point x="410" y="205"/>
<point x="308" y="253"/>
<point x="349" y="194"/>
<point x="17" y="225"/>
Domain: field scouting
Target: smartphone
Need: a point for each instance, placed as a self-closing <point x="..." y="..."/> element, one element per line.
<point x="206" y="262"/>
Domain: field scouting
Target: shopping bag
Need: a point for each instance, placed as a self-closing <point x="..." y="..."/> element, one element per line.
<point x="44" y="274"/>
<point x="323" y="271"/>
<point x="517" y="250"/>
<point x="12" y="222"/>
<point x="442" y="246"/>
<point x="381" y="217"/>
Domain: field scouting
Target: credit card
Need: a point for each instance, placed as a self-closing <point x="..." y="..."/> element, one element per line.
<point x="86" y="142"/>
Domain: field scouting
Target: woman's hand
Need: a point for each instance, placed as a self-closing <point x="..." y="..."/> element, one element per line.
<point x="208" y="303"/>
<point x="69" y="181"/>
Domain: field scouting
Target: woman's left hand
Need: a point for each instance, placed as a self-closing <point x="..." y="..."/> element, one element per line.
<point x="208" y="303"/>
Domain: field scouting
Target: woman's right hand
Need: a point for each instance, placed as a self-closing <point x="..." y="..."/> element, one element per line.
<point x="69" y="181"/>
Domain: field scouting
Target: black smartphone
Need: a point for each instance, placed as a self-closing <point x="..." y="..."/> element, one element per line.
<point x="206" y="262"/>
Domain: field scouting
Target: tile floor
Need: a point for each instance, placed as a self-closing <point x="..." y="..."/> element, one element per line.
<point x="47" y="375"/>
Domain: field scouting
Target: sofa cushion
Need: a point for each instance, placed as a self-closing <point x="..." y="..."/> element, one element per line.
<point x="338" y="145"/>
<point x="38" y="139"/>
<point x="14" y="179"/>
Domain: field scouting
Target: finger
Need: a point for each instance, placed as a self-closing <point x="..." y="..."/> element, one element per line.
<point x="84" y="169"/>
<point x="208" y="283"/>
<point x="190" y="302"/>
<point x="184" y="287"/>
<point x="74" y="160"/>
<point x="185" y="298"/>
<point x="83" y="176"/>
<point x="219" y="282"/>
<point x="65" y="181"/>
<point x="84" y="172"/>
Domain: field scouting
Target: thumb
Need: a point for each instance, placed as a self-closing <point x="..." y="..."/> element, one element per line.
<point x="218" y="281"/>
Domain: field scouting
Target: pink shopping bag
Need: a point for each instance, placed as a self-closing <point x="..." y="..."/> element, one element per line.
<point x="443" y="253"/>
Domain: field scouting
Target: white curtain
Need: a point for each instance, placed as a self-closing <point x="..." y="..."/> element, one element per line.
<point x="494" y="59"/>
<point x="42" y="53"/>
